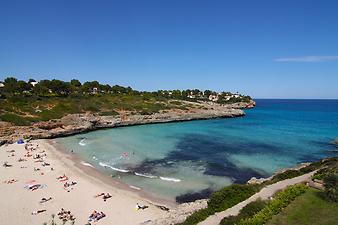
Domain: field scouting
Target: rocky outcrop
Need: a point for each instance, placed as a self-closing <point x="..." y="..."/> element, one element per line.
<point x="255" y="180"/>
<point x="180" y="213"/>
<point x="77" y="123"/>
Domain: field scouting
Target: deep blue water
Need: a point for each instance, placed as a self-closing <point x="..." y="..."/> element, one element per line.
<point x="177" y="159"/>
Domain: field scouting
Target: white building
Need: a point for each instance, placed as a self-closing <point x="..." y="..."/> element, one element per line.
<point x="33" y="83"/>
<point x="213" y="98"/>
<point x="1" y="85"/>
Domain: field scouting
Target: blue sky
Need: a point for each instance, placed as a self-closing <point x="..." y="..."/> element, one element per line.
<point x="266" y="49"/>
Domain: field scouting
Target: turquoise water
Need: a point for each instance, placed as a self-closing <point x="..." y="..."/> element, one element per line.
<point x="187" y="160"/>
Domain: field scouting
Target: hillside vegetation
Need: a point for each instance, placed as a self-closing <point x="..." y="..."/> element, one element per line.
<point x="23" y="102"/>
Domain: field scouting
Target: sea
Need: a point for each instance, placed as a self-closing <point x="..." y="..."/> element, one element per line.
<point x="185" y="161"/>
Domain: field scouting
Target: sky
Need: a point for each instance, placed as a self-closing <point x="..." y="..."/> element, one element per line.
<point x="265" y="49"/>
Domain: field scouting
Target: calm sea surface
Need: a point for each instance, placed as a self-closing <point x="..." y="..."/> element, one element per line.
<point x="177" y="159"/>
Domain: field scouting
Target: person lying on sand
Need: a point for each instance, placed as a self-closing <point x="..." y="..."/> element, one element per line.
<point x="28" y="155"/>
<point x="34" y="187"/>
<point x="143" y="207"/>
<point x="69" y="184"/>
<point x="10" y="181"/>
<point x="45" y="164"/>
<point x="62" y="177"/>
<point x="38" y="211"/>
<point x="6" y="164"/>
<point x="98" y="195"/>
<point x="95" y="216"/>
<point x="11" y="151"/>
<point x="106" y="196"/>
<point x="43" y="200"/>
<point x="21" y="160"/>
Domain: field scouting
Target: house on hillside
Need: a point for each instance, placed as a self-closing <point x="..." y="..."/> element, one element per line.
<point x="213" y="98"/>
<point x="2" y="85"/>
<point x="33" y="83"/>
<point x="95" y="90"/>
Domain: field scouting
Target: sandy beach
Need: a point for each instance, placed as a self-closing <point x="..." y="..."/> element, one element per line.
<point x="27" y="179"/>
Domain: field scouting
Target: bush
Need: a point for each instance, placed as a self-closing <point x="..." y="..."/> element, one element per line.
<point x="282" y="199"/>
<point x="331" y="186"/>
<point x="249" y="210"/>
<point x="222" y="200"/>
<point x="16" y="119"/>
<point x="198" y="216"/>
<point x="230" y="196"/>
<point x="286" y="175"/>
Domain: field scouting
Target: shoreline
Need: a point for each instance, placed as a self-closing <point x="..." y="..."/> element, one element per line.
<point x="93" y="172"/>
<point x="25" y="171"/>
<point x="81" y="123"/>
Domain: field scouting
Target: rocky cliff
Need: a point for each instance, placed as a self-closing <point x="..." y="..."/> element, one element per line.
<point x="77" y="123"/>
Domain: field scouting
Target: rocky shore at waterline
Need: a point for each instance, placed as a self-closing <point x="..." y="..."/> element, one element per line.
<point x="78" y="123"/>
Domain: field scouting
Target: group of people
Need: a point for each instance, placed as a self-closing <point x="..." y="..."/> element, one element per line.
<point x="67" y="185"/>
<point x="10" y="181"/>
<point x="96" y="216"/>
<point x="66" y="216"/>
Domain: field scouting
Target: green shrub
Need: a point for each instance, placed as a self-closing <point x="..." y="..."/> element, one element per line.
<point x="282" y="199"/>
<point x="249" y="210"/>
<point x="198" y="216"/>
<point x="16" y="119"/>
<point x="286" y="175"/>
<point x="331" y="186"/>
<point x="221" y="200"/>
<point x="230" y="196"/>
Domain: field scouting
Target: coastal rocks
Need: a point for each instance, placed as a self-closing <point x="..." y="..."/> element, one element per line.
<point x="317" y="184"/>
<point x="77" y="123"/>
<point x="180" y="213"/>
<point x="255" y="180"/>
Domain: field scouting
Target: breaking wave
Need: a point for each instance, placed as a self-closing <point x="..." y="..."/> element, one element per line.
<point x="145" y="175"/>
<point x="113" y="168"/>
<point x="170" y="179"/>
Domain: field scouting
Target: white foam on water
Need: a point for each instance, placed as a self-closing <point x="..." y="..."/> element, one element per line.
<point x="134" y="187"/>
<point x="145" y="175"/>
<point x="113" y="168"/>
<point x="87" y="164"/>
<point x="82" y="142"/>
<point x="170" y="179"/>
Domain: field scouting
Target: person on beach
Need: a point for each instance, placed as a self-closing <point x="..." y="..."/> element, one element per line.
<point x="43" y="200"/>
<point x="38" y="211"/>
<point x="106" y="196"/>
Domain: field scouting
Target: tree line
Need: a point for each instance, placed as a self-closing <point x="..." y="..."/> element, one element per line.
<point x="13" y="87"/>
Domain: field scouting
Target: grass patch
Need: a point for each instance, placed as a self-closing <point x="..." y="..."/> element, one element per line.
<point x="310" y="208"/>
<point x="16" y="119"/>
<point x="274" y="207"/>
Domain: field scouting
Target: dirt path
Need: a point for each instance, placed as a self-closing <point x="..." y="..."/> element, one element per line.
<point x="264" y="194"/>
